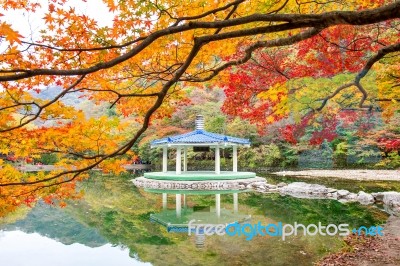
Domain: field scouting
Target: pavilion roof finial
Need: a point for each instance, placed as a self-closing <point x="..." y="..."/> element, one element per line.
<point x="199" y="123"/>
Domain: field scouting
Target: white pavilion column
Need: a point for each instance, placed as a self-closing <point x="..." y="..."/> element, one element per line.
<point x="234" y="159"/>
<point x="178" y="205"/>
<point x="165" y="160"/>
<point x="217" y="161"/>
<point x="218" y="204"/>
<point x="235" y="203"/>
<point x="178" y="160"/>
<point x="164" y="201"/>
<point x="185" y="159"/>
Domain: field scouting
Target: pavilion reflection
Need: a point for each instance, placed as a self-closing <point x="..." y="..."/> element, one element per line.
<point x="178" y="217"/>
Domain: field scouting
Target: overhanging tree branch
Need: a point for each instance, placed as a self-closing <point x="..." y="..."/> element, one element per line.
<point x="288" y="22"/>
<point x="361" y="74"/>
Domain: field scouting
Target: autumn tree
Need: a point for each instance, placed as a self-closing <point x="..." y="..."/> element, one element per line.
<point x="140" y="62"/>
<point x="326" y="69"/>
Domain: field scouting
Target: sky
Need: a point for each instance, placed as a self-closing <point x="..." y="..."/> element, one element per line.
<point x="29" y="24"/>
<point x="25" y="22"/>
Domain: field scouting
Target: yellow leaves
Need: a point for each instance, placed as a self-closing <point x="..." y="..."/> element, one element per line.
<point x="272" y="93"/>
<point x="114" y="166"/>
<point x="122" y="125"/>
<point x="270" y="119"/>
<point x="86" y="137"/>
<point x="11" y="35"/>
<point x="387" y="71"/>
<point x="8" y="173"/>
<point x="315" y="124"/>
<point x="278" y="94"/>
<point x="4" y="148"/>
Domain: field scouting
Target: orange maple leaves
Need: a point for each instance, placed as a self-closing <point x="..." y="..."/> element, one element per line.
<point x="9" y="34"/>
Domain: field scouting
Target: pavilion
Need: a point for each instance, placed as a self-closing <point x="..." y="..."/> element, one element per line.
<point x="199" y="140"/>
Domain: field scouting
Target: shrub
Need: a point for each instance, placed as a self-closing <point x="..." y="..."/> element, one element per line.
<point x="48" y="158"/>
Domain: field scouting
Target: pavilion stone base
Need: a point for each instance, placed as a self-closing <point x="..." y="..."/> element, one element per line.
<point x="199" y="175"/>
<point x="233" y="184"/>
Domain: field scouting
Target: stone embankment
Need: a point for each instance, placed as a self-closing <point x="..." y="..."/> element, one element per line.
<point x="389" y="199"/>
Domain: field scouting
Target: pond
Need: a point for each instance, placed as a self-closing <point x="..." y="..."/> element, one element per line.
<point x="118" y="224"/>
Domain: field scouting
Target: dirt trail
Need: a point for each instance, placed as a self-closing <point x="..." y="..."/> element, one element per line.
<point x="370" y="251"/>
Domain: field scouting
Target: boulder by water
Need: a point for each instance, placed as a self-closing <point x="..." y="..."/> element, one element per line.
<point x="316" y="191"/>
<point x="391" y="201"/>
<point x="365" y="198"/>
<point x="305" y="190"/>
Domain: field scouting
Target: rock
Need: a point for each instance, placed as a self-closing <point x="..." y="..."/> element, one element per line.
<point x="281" y="184"/>
<point x="365" y="198"/>
<point x="342" y="193"/>
<point x="304" y="190"/>
<point x="391" y="201"/>
<point x="269" y="186"/>
<point x="351" y="197"/>
<point x="258" y="184"/>
<point x="391" y="197"/>
<point x="333" y="195"/>
<point x="331" y="190"/>
<point x="378" y="196"/>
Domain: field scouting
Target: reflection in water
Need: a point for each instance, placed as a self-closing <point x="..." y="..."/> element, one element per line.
<point x="19" y="248"/>
<point x="57" y="224"/>
<point x="115" y="213"/>
<point x="178" y="218"/>
<point x="200" y="240"/>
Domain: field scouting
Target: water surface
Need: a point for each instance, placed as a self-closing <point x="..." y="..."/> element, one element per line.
<point x="112" y="225"/>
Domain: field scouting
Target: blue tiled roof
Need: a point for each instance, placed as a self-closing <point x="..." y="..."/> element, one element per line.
<point x="199" y="136"/>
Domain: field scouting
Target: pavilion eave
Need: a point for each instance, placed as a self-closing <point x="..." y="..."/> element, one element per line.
<point x="189" y="145"/>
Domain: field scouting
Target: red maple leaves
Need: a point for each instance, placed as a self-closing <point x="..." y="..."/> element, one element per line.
<point x="340" y="49"/>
